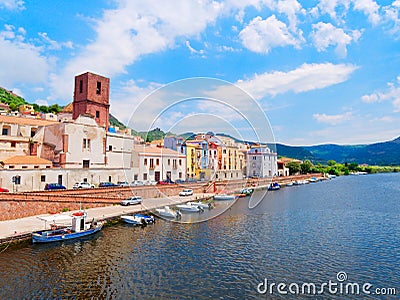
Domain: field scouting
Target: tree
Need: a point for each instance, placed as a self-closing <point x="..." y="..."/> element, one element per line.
<point x="306" y="167"/>
<point x="331" y="162"/>
<point x="294" y="167"/>
<point x="44" y="109"/>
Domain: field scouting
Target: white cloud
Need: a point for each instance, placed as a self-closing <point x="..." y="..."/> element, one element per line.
<point x="290" y="8"/>
<point x="41" y="102"/>
<point x="54" y="45"/>
<point x="20" y="61"/>
<point x="305" y="78"/>
<point x="133" y="29"/>
<point x="12" y="4"/>
<point x="329" y="7"/>
<point x="262" y="35"/>
<point x="333" y="119"/>
<point x="325" y="35"/>
<point x="392" y="94"/>
<point x="192" y="50"/>
<point x="369" y="8"/>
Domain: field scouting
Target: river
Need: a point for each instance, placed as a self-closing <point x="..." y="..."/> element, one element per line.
<point x="314" y="233"/>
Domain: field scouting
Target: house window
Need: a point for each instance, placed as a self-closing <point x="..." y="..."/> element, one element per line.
<point x="109" y="147"/>
<point x="13" y="144"/>
<point x="36" y="167"/>
<point x="4" y="131"/>
<point x="224" y="151"/>
<point x="157" y="161"/>
<point x="151" y="163"/>
<point x="97" y="114"/>
<point x="33" y="132"/>
<point x="174" y="164"/>
<point x="169" y="162"/>
<point x="109" y="178"/>
<point x="24" y="167"/>
<point x="86" y="164"/>
<point x="80" y="86"/>
<point x="98" y="88"/>
<point x="180" y="174"/>
<point x="145" y="161"/>
<point x="180" y="162"/>
<point x="135" y="177"/>
<point x="86" y="144"/>
<point x="43" y="178"/>
<point x="11" y="167"/>
<point x="144" y="176"/>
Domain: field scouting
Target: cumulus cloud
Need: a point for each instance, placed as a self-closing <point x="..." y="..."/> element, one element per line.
<point x="333" y="119"/>
<point x="305" y="78"/>
<point x="134" y="29"/>
<point x="20" y="61"/>
<point x="325" y="35"/>
<point x="54" y="45"/>
<point x="12" y="4"/>
<point x="369" y="8"/>
<point x="391" y="94"/>
<point x="262" y="35"/>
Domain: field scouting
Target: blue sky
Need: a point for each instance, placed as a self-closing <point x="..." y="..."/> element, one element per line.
<point x="322" y="71"/>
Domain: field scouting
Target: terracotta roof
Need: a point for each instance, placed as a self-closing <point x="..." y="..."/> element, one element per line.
<point x="25" y="121"/>
<point x="68" y="108"/>
<point x="25" y="160"/>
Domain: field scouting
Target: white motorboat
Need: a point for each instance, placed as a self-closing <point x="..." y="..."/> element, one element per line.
<point x="188" y="208"/>
<point x="167" y="212"/>
<point x="201" y="205"/>
<point x="222" y="197"/>
<point x="138" y="219"/>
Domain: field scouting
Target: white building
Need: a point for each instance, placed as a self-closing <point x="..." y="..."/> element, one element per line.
<point x="261" y="162"/>
<point x="156" y="163"/>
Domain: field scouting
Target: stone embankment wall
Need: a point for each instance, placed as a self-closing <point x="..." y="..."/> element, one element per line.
<point x="19" y="205"/>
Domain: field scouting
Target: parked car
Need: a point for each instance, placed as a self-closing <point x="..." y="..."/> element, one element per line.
<point x="179" y="181"/>
<point x="83" y="185"/>
<point x="132" y="200"/>
<point x="107" y="184"/>
<point x="3" y="190"/>
<point x="122" y="183"/>
<point x="54" y="186"/>
<point x="167" y="181"/>
<point x="186" y="192"/>
<point x="137" y="183"/>
<point x="150" y="182"/>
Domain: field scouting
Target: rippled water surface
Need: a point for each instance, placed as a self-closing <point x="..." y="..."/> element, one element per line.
<point x="298" y="234"/>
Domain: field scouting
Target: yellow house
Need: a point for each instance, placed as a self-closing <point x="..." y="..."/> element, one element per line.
<point x="191" y="166"/>
<point x="26" y="108"/>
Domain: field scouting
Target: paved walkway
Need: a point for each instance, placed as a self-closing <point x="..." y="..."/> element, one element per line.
<point x="20" y="227"/>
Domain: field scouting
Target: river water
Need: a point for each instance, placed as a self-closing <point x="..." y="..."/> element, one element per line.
<point x="299" y="234"/>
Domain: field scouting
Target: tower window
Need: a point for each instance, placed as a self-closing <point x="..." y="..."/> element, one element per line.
<point x="98" y="88"/>
<point x="97" y="114"/>
<point x="80" y="86"/>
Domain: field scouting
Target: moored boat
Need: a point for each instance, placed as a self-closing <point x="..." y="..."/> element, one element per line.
<point x="167" y="212"/>
<point x="224" y="197"/>
<point x="274" y="186"/>
<point x="138" y="219"/>
<point x="78" y="229"/>
<point x="201" y="204"/>
<point x="189" y="208"/>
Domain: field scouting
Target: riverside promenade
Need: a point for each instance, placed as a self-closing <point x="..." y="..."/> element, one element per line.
<point x="21" y="229"/>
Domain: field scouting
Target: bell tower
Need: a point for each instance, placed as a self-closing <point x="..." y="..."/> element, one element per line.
<point x="92" y="97"/>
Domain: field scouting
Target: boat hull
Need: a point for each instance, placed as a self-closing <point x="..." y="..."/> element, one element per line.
<point x="42" y="237"/>
<point x="224" y="197"/>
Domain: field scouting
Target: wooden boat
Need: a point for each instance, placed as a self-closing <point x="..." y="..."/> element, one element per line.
<point x="224" y="197"/>
<point x="57" y="233"/>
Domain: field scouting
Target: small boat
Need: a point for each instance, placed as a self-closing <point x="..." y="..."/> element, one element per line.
<point x="188" y="208"/>
<point x="201" y="205"/>
<point x="224" y="197"/>
<point x="290" y="183"/>
<point x="138" y="219"/>
<point x="242" y="195"/>
<point x="274" y="186"/>
<point x="78" y="229"/>
<point x="167" y="212"/>
<point x="300" y="182"/>
<point x="247" y="192"/>
<point x="312" y="180"/>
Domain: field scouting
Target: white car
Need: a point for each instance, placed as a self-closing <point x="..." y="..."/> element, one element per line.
<point x="150" y="182"/>
<point x="123" y="183"/>
<point x="83" y="185"/>
<point x="137" y="183"/>
<point x="132" y="201"/>
<point x="186" y="192"/>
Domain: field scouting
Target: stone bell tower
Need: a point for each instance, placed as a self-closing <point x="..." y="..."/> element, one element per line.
<point x="92" y="97"/>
